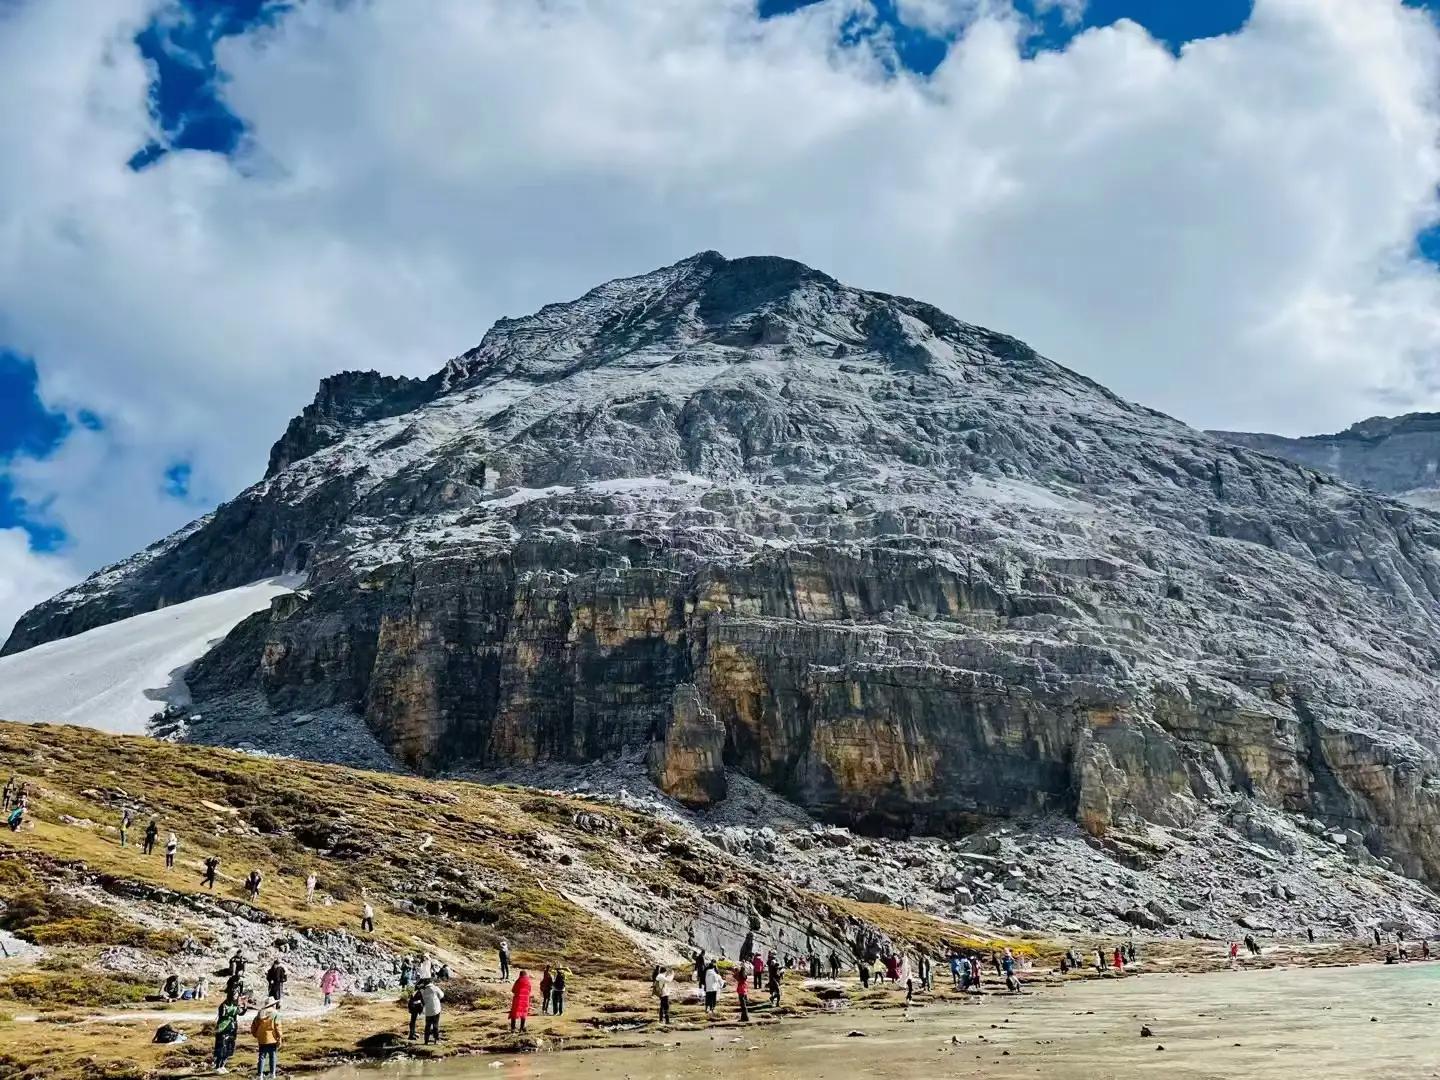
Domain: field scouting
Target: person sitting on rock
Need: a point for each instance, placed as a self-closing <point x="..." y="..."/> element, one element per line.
<point x="171" y="990"/>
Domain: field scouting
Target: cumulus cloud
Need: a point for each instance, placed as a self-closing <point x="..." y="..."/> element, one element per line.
<point x="26" y="577"/>
<point x="1224" y="234"/>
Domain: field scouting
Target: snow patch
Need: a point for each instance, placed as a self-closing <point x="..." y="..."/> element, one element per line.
<point x="115" y="677"/>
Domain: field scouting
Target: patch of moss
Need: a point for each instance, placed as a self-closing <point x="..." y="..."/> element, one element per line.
<point x="52" y="918"/>
<point x="73" y="988"/>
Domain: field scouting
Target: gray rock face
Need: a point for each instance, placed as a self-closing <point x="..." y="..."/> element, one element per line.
<point x="1397" y="455"/>
<point x="922" y="577"/>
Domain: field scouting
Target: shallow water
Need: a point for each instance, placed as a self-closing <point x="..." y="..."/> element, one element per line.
<point x="1269" y="1024"/>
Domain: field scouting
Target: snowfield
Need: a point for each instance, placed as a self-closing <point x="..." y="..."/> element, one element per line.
<point x="115" y="677"/>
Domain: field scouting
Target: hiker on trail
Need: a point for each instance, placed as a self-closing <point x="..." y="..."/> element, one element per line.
<point x="212" y="867"/>
<point x="430" y="997"/>
<point x="367" y="919"/>
<point x="275" y="980"/>
<point x="416" y="1005"/>
<point x="520" y="1000"/>
<point x="547" y="983"/>
<point x="505" y="959"/>
<point x="126" y="817"/>
<point x="310" y="882"/>
<point x="252" y="884"/>
<point x="774" y="985"/>
<point x="700" y="966"/>
<point x="742" y="992"/>
<point x="660" y="989"/>
<point x="329" y="982"/>
<point x="864" y="971"/>
<point x="713" y="985"/>
<point x="227" y="1025"/>
<point x="757" y="967"/>
<point x="834" y="964"/>
<point x="172" y="845"/>
<point x="557" y="991"/>
<point x="152" y="833"/>
<point x="266" y="1029"/>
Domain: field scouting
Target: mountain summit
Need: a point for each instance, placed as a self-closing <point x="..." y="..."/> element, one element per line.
<point x="734" y="515"/>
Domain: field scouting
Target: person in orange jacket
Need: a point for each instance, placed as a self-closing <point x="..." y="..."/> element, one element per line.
<point x="266" y="1029"/>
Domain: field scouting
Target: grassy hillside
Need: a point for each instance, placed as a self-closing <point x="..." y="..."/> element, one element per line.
<point x="451" y="868"/>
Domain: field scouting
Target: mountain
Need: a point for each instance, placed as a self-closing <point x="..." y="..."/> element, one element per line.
<point x="1397" y="455"/>
<point x="747" y="520"/>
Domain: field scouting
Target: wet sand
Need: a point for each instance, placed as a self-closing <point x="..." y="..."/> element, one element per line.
<point x="1268" y="1024"/>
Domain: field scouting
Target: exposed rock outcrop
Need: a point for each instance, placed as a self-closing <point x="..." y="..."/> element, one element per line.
<point x="922" y="577"/>
<point x="687" y="760"/>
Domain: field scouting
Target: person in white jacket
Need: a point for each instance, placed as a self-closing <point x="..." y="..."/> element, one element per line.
<point x="431" y="995"/>
<point x="661" y="990"/>
<point x="714" y="983"/>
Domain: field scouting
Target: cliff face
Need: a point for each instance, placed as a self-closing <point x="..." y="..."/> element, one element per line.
<point x="1397" y="455"/>
<point x="899" y="568"/>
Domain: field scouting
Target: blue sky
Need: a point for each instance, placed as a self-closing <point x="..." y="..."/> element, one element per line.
<point x="142" y="348"/>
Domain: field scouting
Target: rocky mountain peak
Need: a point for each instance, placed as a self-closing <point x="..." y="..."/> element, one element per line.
<point x="736" y="515"/>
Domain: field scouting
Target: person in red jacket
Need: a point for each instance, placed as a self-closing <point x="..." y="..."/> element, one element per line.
<point x="520" y="1001"/>
<point x="758" y="965"/>
<point x="742" y="989"/>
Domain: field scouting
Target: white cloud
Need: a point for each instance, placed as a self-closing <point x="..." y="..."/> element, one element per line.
<point x="1222" y="234"/>
<point x="27" y="577"/>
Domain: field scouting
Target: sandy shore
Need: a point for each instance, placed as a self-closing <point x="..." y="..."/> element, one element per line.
<point x="1277" y="1025"/>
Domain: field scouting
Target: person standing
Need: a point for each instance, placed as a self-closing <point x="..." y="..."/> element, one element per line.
<point x="126" y="817"/>
<point x="713" y="985"/>
<point x="405" y="970"/>
<point x="742" y="992"/>
<point x="834" y="964"/>
<point x="661" y="990"/>
<point x="864" y="971"/>
<point x="504" y="959"/>
<point x="172" y="845"/>
<point x="431" y="996"/>
<point x="417" y="1006"/>
<point x="700" y="965"/>
<point x="275" y="980"/>
<point x="252" y="884"/>
<point x="266" y="1030"/>
<point x="329" y="982"/>
<point x="152" y="833"/>
<point x="557" y="991"/>
<point x="310" y="882"/>
<point x="227" y="1025"/>
<point x="212" y="867"/>
<point x="367" y="919"/>
<point x="774" y="985"/>
<point x="547" y="983"/>
<point x="520" y="1000"/>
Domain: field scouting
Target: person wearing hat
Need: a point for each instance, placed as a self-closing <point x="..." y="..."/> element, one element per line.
<point x="266" y="1029"/>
